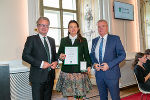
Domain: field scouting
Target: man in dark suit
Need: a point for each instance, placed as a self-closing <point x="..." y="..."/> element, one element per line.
<point x="40" y="52"/>
<point x="106" y="54"/>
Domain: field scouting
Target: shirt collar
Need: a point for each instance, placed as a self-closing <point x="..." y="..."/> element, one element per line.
<point x="72" y="38"/>
<point x="41" y="36"/>
<point x="105" y="37"/>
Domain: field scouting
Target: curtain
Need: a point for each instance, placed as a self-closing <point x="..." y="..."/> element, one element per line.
<point x="143" y="25"/>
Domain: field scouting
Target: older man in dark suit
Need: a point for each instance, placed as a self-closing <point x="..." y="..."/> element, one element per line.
<point x="40" y="52"/>
<point x="106" y="54"/>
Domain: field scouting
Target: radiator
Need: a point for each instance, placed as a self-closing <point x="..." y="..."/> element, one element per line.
<point x="19" y="86"/>
<point x="127" y="74"/>
<point x="19" y="80"/>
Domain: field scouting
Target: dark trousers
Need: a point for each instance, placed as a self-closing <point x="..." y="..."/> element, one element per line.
<point x="105" y="85"/>
<point x="43" y="91"/>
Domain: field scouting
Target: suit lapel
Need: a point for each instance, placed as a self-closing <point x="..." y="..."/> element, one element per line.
<point x="51" y="44"/>
<point x="50" y="41"/>
<point x="76" y="42"/>
<point x="39" y="42"/>
<point x="95" y="41"/>
<point x="108" y="43"/>
<point x="68" y="41"/>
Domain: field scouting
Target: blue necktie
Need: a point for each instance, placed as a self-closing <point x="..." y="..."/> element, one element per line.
<point x="100" y="50"/>
<point x="47" y="51"/>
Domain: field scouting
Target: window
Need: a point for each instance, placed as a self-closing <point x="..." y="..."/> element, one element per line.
<point x="147" y="34"/>
<point x="59" y="12"/>
<point x="147" y="25"/>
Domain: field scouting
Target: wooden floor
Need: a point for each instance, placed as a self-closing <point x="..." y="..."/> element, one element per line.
<point x="128" y="91"/>
<point x="93" y="94"/>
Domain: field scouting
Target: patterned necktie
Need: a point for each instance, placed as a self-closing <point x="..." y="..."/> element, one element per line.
<point x="100" y="50"/>
<point x="47" y="51"/>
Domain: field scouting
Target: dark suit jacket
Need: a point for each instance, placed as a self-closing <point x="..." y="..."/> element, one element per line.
<point x="83" y="54"/>
<point x="114" y="54"/>
<point x="34" y="53"/>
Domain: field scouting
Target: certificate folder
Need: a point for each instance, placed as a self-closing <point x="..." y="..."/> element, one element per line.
<point x="71" y="56"/>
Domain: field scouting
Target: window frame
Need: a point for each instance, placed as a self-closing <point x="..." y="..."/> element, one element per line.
<point x="61" y="10"/>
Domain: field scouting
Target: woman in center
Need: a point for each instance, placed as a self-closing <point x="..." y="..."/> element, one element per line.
<point x="73" y="82"/>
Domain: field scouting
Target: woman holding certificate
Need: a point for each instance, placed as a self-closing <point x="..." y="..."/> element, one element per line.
<point x="73" y="51"/>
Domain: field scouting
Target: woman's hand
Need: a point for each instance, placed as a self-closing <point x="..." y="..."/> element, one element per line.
<point x="89" y="70"/>
<point x="62" y="56"/>
<point x="147" y="77"/>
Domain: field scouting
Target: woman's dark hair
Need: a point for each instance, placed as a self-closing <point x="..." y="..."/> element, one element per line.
<point x="137" y="56"/>
<point x="79" y="36"/>
<point x="147" y="51"/>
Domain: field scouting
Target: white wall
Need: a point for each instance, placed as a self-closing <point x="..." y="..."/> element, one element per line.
<point x="13" y="28"/>
<point x="129" y="31"/>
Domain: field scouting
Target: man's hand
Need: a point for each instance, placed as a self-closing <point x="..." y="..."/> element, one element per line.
<point x="54" y="64"/>
<point x="46" y="65"/>
<point x="97" y="67"/>
<point x="104" y="67"/>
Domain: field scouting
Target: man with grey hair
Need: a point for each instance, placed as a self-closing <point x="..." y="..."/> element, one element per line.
<point x="40" y="52"/>
<point x="106" y="54"/>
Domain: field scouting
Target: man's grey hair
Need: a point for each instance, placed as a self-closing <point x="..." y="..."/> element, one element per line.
<point x="43" y="18"/>
<point x="102" y="20"/>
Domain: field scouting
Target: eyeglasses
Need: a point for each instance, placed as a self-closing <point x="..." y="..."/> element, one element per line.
<point x="43" y="25"/>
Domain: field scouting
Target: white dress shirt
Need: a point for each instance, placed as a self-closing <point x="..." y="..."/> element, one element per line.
<point x="72" y="38"/>
<point x="103" y="49"/>
<point x="49" y="47"/>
